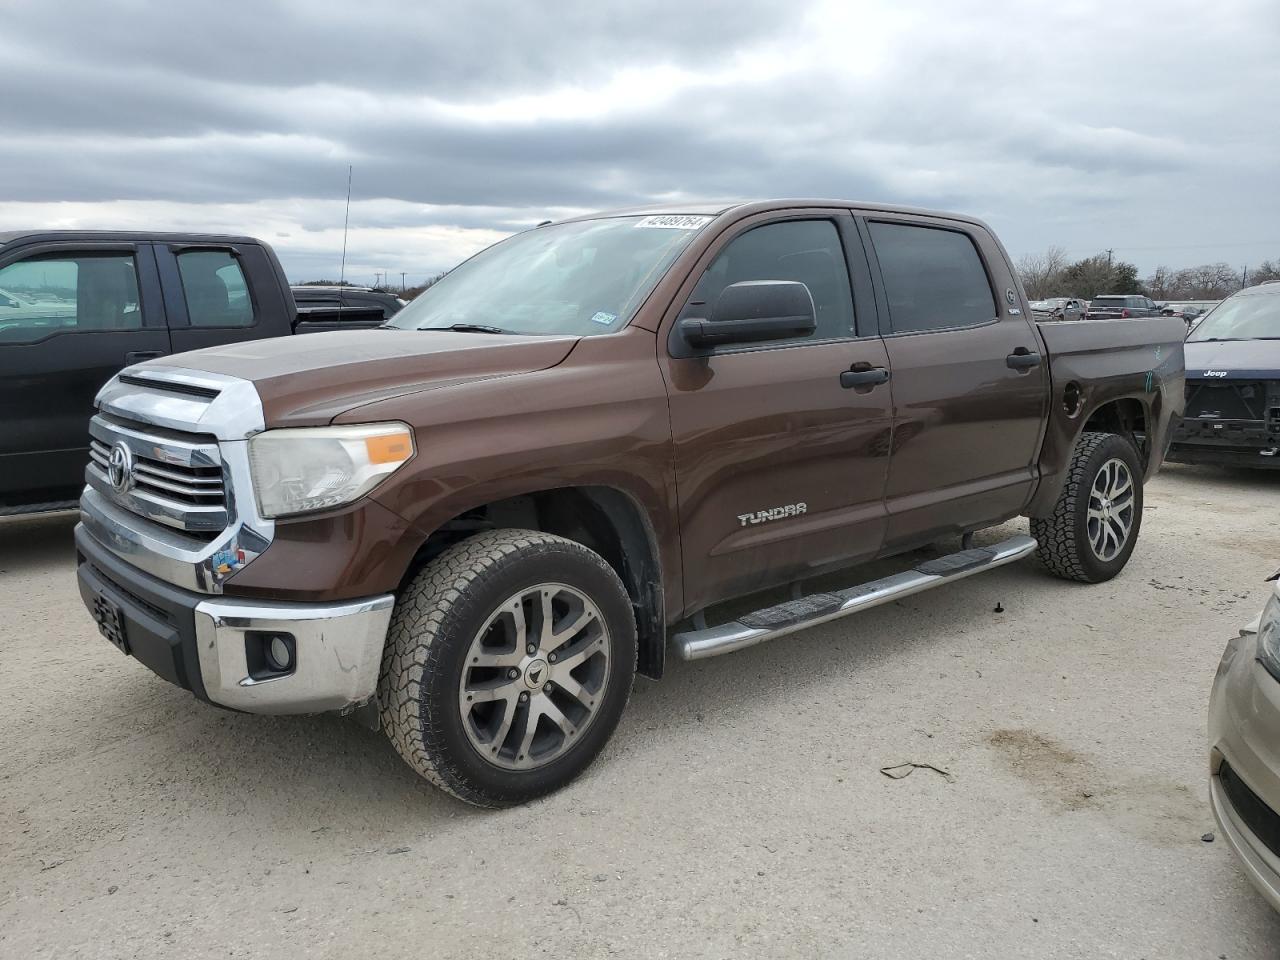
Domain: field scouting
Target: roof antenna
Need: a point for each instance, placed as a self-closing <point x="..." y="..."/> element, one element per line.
<point x="346" y="218"/>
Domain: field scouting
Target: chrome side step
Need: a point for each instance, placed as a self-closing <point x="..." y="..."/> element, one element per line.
<point x="817" y="608"/>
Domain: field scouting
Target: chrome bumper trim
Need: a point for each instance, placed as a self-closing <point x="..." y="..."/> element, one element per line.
<point x="337" y="659"/>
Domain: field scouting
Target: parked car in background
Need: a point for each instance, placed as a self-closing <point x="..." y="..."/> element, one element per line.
<point x="1058" y="308"/>
<point x="475" y="525"/>
<point x="344" y="297"/>
<point x="1233" y="383"/>
<point x="1244" y="749"/>
<point x="77" y="306"/>
<point x="1121" y="307"/>
<point x="1188" y="310"/>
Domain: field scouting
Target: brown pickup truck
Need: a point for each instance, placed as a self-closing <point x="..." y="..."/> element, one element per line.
<point x="475" y="525"/>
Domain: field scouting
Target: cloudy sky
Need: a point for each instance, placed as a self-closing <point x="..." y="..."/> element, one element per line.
<point x="1148" y="126"/>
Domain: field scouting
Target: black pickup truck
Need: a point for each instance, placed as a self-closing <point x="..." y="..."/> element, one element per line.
<point x="77" y="306"/>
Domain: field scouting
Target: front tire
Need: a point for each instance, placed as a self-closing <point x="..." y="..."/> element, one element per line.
<point x="508" y="663"/>
<point x="1094" y="525"/>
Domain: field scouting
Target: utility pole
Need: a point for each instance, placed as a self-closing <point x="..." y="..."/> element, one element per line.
<point x="1108" y="258"/>
<point x="1244" y="276"/>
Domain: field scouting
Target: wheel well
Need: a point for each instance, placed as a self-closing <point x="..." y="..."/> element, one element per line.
<point x="1126" y="417"/>
<point x="602" y="519"/>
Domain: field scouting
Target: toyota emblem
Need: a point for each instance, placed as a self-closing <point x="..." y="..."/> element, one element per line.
<point x="120" y="468"/>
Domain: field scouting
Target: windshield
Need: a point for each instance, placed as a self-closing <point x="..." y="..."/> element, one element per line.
<point x="582" y="278"/>
<point x="1255" y="317"/>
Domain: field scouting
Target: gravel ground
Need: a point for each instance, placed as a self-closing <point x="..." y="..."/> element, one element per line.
<point x="739" y="810"/>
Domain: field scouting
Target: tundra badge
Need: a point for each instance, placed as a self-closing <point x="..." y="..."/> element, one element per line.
<point x="777" y="513"/>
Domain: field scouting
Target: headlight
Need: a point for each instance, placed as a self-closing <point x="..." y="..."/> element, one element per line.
<point x="1269" y="637"/>
<point x="313" y="468"/>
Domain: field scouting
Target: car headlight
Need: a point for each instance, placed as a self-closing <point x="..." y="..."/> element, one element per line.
<point x="1269" y="637"/>
<point x="298" y="470"/>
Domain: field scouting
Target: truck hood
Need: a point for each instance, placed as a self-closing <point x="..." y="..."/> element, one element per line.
<point x="1233" y="360"/>
<point x="308" y="380"/>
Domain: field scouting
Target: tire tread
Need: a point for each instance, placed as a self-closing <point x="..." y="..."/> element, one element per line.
<point x="1058" y="545"/>
<point x="421" y="622"/>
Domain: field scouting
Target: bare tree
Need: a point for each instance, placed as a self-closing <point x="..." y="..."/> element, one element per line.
<point x="1265" y="271"/>
<point x="410" y="292"/>
<point x="1041" y="273"/>
<point x="1160" y="285"/>
<point x="1211" y="281"/>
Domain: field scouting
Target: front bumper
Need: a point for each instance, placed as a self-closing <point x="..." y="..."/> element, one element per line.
<point x="206" y="644"/>
<point x="1227" y="443"/>
<point x="1244" y="735"/>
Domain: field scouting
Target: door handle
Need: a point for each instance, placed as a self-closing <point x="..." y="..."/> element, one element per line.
<point x="863" y="374"/>
<point x="137" y="356"/>
<point x="1022" y="359"/>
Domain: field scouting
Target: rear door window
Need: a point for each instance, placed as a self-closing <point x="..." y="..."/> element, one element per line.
<point x="933" y="278"/>
<point x="216" y="292"/>
<point x="68" y="293"/>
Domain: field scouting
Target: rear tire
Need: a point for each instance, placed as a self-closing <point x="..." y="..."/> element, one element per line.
<point x="508" y="663"/>
<point x="1094" y="525"/>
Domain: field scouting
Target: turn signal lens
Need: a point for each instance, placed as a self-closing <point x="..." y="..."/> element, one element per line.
<point x="395" y="448"/>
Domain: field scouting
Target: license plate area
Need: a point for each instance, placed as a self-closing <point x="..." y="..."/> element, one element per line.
<point x="110" y="620"/>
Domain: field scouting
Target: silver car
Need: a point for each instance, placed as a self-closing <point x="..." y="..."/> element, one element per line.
<point x="1058" y="308"/>
<point x="1244" y="749"/>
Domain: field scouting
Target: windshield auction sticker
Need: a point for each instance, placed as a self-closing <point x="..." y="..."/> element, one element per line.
<point x="674" y="221"/>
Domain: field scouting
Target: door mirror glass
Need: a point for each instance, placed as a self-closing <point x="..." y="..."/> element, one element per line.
<point x="754" y="311"/>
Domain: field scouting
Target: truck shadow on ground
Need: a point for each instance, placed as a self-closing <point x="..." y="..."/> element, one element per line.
<point x="28" y="544"/>
<point x="330" y="770"/>
<point x="1225" y="479"/>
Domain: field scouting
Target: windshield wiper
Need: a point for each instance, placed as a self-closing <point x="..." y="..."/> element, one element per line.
<point x="469" y="328"/>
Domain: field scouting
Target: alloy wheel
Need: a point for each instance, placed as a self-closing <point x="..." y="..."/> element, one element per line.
<point x="1111" y="505"/>
<point x="535" y="676"/>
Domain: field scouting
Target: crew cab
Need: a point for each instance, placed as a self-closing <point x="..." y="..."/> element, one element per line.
<point x="474" y="526"/>
<point x="1112" y="307"/>
<point x="1233" y="384"/>
<point x="77" y="306"/>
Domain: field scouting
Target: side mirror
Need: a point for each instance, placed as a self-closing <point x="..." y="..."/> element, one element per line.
<point x="754" y="311"/>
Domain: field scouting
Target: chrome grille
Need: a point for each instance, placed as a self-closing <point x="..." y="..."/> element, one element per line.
<point x="197" y="485"/>
<point x="176" y="479"/>
<point x="187" y="516"/>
